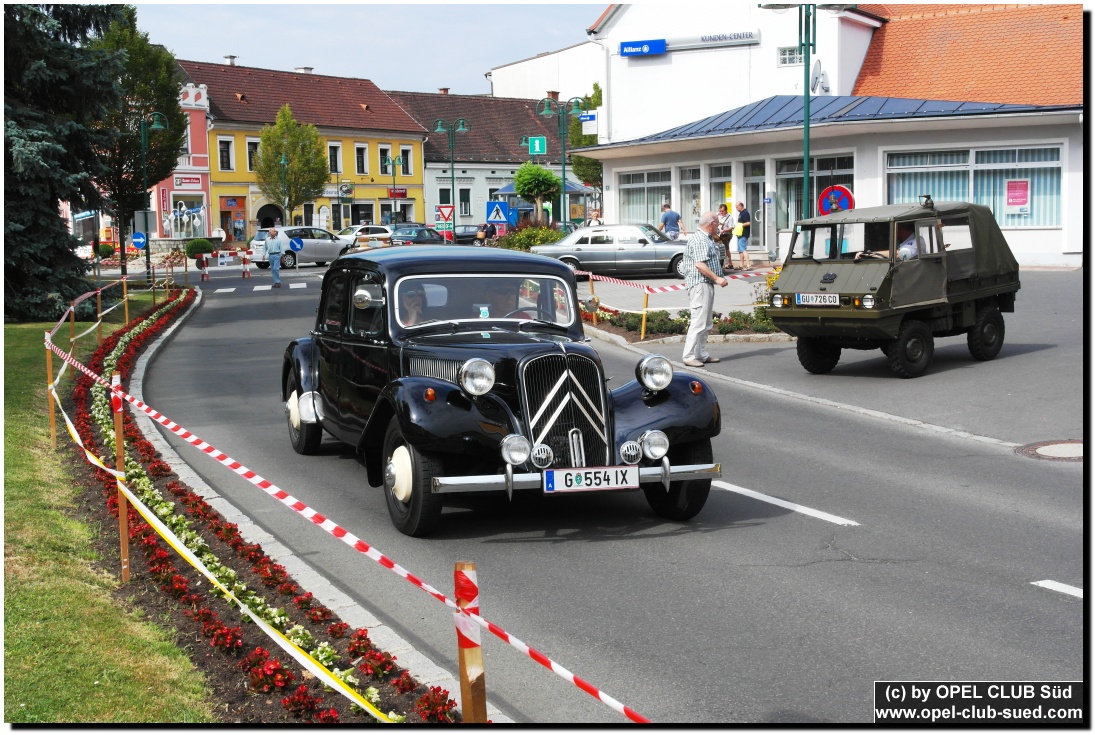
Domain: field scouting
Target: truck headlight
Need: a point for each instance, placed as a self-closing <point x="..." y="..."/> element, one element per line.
<point x="516" y="449"/>
<point x="654" y="372"/>
<point x="655" y="444"/>
<point x="477" y="376"/>
<point x="868" y="301"/>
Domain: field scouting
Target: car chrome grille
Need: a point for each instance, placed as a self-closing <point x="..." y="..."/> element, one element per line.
<point x="565" y="409"/>
<point x="431" y="367"/>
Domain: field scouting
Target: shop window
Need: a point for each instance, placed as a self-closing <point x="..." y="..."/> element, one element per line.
<point x="642" y="195"/>
<point x="824" y="172"/>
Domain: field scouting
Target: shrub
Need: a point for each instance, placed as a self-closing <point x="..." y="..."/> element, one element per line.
<point x="198" y="245"/>
<point x="106" y="249"/>
<point x="527" y="234"/>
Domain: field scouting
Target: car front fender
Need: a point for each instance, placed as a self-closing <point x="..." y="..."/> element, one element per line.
<point x="299" y="359"/>
<point x="686" y="414"/>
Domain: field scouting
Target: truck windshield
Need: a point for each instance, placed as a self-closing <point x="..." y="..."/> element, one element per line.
<point x="839" y="241"/>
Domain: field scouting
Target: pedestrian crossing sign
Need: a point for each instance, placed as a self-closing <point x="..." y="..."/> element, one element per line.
<point x="498" y="212"/>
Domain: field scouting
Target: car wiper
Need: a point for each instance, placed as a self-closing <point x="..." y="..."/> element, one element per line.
<point x="523" y="322"/>
<point x="433" y="323"/>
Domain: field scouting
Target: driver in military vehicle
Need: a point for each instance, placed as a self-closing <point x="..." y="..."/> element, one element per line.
<point x="908" y="249"/>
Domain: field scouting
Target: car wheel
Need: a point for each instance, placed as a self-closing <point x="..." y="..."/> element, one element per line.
<point x="263" y="265"/>
<point x="685" y="498"/>
<point x="414" y="510"/>
<point x="304" y="437"/>
<point x="817" y="356"/>
<point x="288" y="260"/>
<point x="911" y="353"/>
<point x="573" y="265"/>
<point x="677" y="266"/>
<point x="986" y="336"/>
<point x="321" y="263"/>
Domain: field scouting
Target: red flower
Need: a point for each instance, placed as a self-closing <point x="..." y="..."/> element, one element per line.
<point x="435" y="706"/>
<point x="404" y="683"/>
<point x="337" y="630"/>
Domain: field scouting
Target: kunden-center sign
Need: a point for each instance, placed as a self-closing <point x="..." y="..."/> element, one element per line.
<point x="659" y="46"/>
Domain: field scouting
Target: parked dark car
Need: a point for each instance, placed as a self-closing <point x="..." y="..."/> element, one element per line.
<point x="465" y="234"/>
<point x="468" y="371"/>
<point x="403" y="235"/>
<point x="893" y="278"/>
<point x="618" y="250"/>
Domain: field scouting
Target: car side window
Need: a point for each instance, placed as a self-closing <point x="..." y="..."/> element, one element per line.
<point x="366" y="314"/>
<point x="332" y="312"/>
<point x="600" y="238"/>
<point x="583" y="240"/>
<point x="627" y="238"/>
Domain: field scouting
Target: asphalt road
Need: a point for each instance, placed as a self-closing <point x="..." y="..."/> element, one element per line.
<point x="755" y="612"/>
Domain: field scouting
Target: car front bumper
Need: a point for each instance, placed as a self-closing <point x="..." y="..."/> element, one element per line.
<point x="508" y="481"/>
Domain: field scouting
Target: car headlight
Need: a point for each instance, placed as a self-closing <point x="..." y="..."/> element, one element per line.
<point x="477" y="376"/>
<point x="777" y="300"/>
<point x="655" y="444"/>
<point x="868" y="301"/>
<point x="516" y="449"/>
<point x="654" y="372"/>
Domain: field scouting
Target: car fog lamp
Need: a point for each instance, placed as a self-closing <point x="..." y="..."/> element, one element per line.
<point x="868" y="301"/>
<point x="477" y="376"/>
<point x="542" y="456"/>
<point x="516" y="449"/>
<point x="631" y="452"/>
<point x="655" y="444"/>
<point x="654" y="372"/>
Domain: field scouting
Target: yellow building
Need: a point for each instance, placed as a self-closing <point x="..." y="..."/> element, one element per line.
<point x="365" y="133"/>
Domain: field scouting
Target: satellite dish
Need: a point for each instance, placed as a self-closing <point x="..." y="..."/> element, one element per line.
<point x="815" y="76"/>
<point x="824" y="82"/>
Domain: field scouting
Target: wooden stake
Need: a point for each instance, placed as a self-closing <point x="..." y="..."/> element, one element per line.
<point x="646" y="302"/>
<point x="99" y="315"/>
<point x="153" y="286"/>
<point x="592" y="293"/>
<point x="125" y="299"/>
<point x="72" y="328"/>
<point x="119" y="458"/>
<point x="473" y="678"/>
<point x="49" y="398"/>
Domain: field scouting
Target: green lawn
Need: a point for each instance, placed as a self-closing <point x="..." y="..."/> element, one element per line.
<point x="71" y="653"/>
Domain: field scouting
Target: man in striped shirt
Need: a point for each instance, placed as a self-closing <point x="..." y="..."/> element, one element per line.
<point x="702" y="271"/>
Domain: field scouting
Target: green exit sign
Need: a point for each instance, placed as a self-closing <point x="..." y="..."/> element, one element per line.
<point x="537" y="146"/>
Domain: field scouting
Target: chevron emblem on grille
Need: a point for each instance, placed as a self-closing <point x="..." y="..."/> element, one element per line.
<point x="566" y="391"/>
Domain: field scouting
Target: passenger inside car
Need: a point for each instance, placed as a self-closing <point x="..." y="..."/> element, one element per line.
<point x="412" y="302"/>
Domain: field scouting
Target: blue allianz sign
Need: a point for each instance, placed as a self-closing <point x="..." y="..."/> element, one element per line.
<point x="642" y="48"/>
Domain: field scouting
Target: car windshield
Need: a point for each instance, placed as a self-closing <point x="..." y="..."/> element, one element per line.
<point x="839" y="241"/>
<point x="347" y="231"/>
<point x="469" y="298"/>
<point x="653" y="233"/>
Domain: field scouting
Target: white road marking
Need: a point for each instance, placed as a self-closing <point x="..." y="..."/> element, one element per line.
<point x="224" y="290"/>
<point x="1068" y="589"/>
<point x="785" y="504"/>
<point x="263" y="288"/>
<point x="298" y="285"/>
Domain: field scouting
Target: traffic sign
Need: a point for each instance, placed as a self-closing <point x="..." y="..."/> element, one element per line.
<point x="497" y="212"/>
<point x="443" y="226"/>
<point x="296" y="244"/>
<point x="844" y="199"/>
<point x="443" y="212"/>
<point x="537" y="146"/>
<point x="139" y="240"/>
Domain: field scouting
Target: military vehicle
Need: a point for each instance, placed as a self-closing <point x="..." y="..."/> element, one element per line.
<point x="894" y="278"/>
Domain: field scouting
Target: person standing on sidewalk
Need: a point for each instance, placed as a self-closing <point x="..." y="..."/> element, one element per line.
<point x="725" y="234"/>
<point x="742" y="231"/>
<point x="702" y="272"/>
<point x="671" y="223"/>
<point x="274" y="250"/>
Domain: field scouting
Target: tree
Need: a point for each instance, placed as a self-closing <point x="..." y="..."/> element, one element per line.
<point x="56" y="88"/>
<point x="149" y="82"/>
<point x="535" y="183"/>
<point x="589" y="170"/>
<point x="305" y="173"/>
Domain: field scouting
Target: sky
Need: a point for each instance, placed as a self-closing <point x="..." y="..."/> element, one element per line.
<point x="407" y="47"/>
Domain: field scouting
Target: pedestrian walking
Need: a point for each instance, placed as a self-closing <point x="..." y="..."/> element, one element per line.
<point x="671" y="223"/>
<point x="274" y="250"/>
<point x="702" y="272"/>
<point x="742" y="233"/>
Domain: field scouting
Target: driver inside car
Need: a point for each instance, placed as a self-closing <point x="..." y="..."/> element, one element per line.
<point x="502" y="296"/>
<point x="412" y="300"/>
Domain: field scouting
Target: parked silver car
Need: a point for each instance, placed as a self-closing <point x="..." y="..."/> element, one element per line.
<point x="320" y="246"/>
<point x="618" y="249"/>
<point x="363" y="234"/>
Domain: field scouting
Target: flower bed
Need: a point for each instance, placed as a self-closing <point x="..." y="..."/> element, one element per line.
<point x="254" y="685"/>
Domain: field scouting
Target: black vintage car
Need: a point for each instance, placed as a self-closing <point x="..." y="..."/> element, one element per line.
<point x="460" y="372"/>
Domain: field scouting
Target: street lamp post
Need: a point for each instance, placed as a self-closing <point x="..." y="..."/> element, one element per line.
<point x="548" y="107"/>
<point x="156" y="117"/>
<point x="392" y="162"/>
<point x="807" y="42"/>
<point x="460" y="125"/>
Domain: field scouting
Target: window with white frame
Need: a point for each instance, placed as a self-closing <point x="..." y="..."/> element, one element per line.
<point x="1022" y="186"/>
<point x="226" y="154"/>
<point x="444" y="195"/>
<point x="334" y="157"/>
<point x="384" y="152"/>
<point x="642" y="194"/>
<point x="825" y="171"/>
<point x="789" y="56"/>
<point x="720" y="178"/>
<point x="252" y="152"/>
<point x="690" y="197"/>
<point x="405" y="155"/>
<point x="361" y="158"/>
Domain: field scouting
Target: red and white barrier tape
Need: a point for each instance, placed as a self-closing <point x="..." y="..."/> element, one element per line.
<point x="348" y="538"/>
<point x="467" y="588"/>
<point x="662" y="289"/>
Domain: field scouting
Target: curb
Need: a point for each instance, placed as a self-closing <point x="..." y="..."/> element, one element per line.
<point x="422" y="668"/>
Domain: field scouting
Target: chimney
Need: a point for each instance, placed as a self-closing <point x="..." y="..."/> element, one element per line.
<point x="554" y="95"/>
<point x="443" y="90"/>
<point x="231" y="60"/>
<point x="304" y="69"/>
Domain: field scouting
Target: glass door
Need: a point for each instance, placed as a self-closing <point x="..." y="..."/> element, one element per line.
<point x="754" y="204"/>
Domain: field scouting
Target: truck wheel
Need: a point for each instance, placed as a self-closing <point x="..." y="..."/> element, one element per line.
<point x="415" y="511"/>
<point x="911" y="353"/>
<point x="817" y="356"/>
<point x="986" y="336"/>
<point x="685" y="497"/>
<point x="304" y="437"/>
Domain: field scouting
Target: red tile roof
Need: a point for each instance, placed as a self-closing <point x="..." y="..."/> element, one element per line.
<point x="1024" y="54"/>
<point x="496" y="126"/>
<point x="249" y="95"/>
